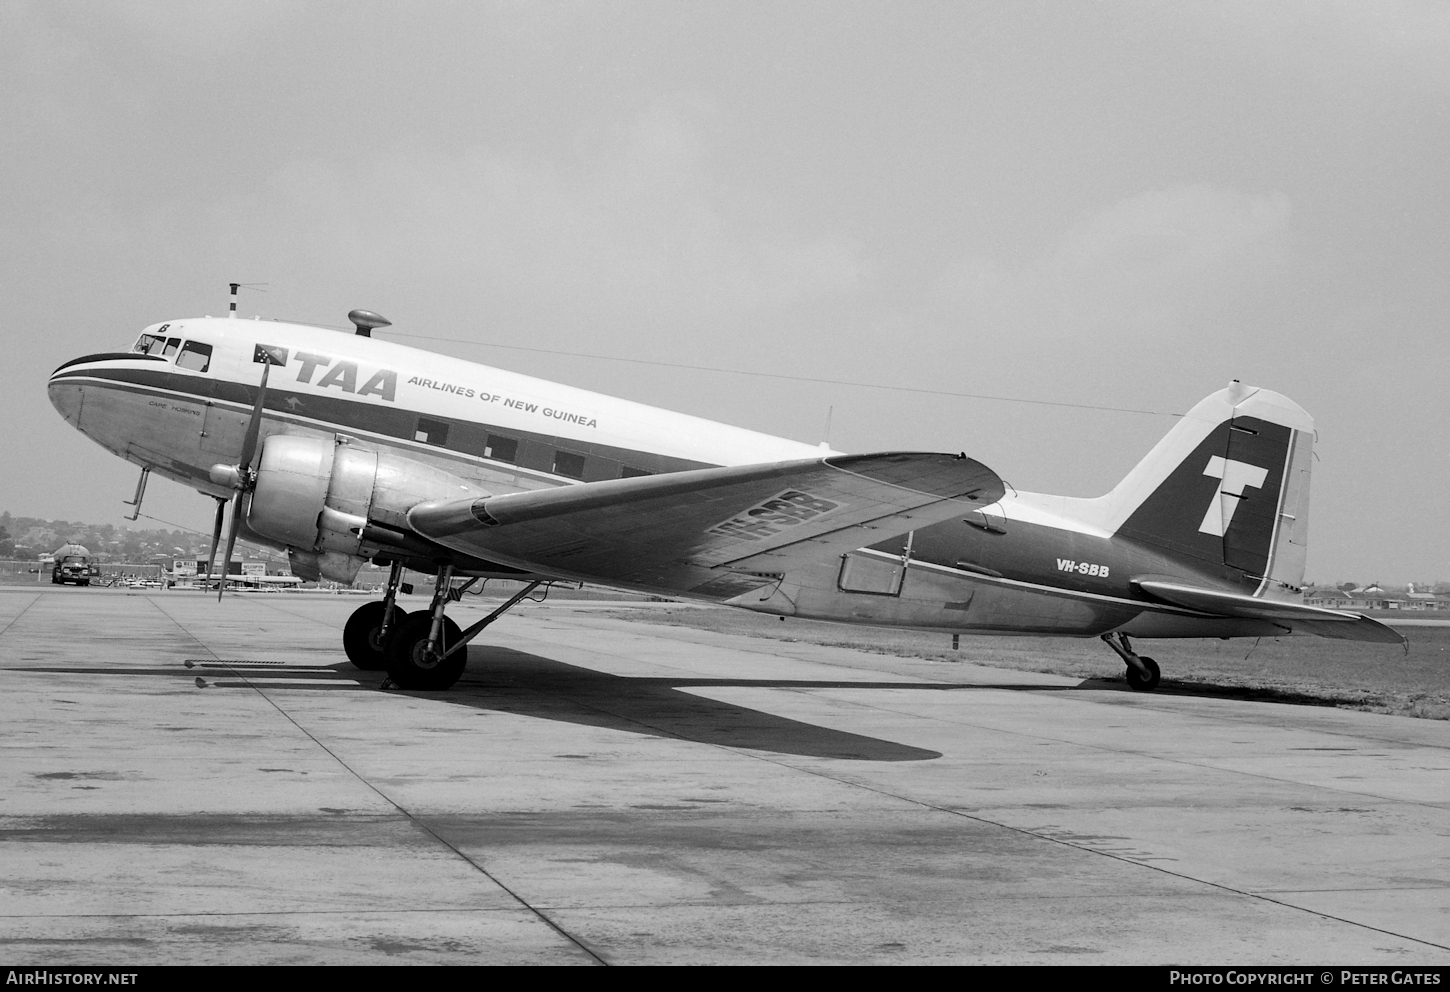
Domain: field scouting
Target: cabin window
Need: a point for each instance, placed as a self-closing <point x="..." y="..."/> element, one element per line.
<point x="860" y="573"/>
<point x="568" y="464"/>
<point x="632" y="473"/>
<point x="194" y="356"/>
<point x="431" y="432"/>
<point x="171" y="345"/>
<point x="149" y="344"/>
<point x="503" y="449"/>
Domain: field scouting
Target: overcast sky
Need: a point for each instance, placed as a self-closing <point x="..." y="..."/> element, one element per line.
<point x="1113" y="204"/>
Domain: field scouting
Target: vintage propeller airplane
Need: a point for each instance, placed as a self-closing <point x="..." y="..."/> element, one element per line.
<point x="341" y="449"/>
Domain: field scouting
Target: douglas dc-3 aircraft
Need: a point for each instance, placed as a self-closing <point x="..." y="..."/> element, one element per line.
<point x="341" y="448"/>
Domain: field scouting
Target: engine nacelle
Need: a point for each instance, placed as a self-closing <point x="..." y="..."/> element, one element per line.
<point x="315" y="495"/>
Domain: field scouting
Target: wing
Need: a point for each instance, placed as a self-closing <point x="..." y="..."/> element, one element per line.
<point x="1295" y="616"/>
<point x="714" y="532"/>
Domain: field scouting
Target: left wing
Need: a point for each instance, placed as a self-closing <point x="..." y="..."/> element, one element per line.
<point x="715" y="532"/>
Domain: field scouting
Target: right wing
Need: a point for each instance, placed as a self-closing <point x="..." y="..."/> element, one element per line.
<point x="715" y="532"/>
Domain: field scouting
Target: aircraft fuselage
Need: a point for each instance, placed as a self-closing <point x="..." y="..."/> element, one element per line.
<point x="1029" y="564"/>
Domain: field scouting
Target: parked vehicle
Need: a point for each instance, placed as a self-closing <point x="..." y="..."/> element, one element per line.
<point x="73" y="564"/>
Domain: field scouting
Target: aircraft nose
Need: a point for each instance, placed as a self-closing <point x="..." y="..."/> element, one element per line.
<point x="67" y="396"/>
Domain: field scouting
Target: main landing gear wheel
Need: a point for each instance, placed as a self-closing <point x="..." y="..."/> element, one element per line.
<point x="1144" y="683"/>
<point x="411" y="665"/>
<point x="361" y="640"/>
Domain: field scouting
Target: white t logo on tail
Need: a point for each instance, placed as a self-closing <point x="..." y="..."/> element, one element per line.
<point x="1236" y="476"/>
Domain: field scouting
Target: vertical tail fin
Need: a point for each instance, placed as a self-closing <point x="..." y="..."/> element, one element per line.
<point x="1227" y="487"/>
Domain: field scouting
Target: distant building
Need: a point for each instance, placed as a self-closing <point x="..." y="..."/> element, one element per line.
<point x="1375" y="598"/>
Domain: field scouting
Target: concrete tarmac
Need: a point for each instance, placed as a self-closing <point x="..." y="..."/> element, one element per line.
<point x="602" y="790"/>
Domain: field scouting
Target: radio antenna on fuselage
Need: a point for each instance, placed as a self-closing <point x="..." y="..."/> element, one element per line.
<point x="238" y="285"/>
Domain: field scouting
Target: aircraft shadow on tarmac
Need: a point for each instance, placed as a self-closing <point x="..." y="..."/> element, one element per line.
<point x="505" y="680"/>
<point x="510" y="681"/>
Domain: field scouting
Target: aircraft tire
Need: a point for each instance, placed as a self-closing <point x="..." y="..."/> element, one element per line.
<point x="408" y="666"/>
<point x="360" y="636"/>
<point x="1138" y="682"/>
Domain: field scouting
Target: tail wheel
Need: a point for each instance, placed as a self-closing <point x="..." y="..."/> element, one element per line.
<point x="361" y="636"/>
<point x="411" y="665"/>
<point x="1137" y="680"/>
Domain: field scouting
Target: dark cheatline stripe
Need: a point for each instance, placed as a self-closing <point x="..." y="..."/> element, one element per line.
<point x="109" y="356"/>
<point x="535" y="450"/>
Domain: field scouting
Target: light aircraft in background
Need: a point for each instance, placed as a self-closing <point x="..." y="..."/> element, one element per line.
<point x="341" y="448"/>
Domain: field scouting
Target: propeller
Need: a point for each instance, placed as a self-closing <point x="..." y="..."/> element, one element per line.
<point x="216" y="536"/>
<point x="242" y="477"/>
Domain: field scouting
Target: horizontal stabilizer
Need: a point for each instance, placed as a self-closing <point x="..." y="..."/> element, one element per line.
<point x="1295" y="616"/>
<point x="715" y="531"/>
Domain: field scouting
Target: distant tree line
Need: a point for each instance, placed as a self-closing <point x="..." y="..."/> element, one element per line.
<point x="30" y="537"/>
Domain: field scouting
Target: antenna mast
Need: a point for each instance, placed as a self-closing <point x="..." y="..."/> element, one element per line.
<point x="232" y="313"/>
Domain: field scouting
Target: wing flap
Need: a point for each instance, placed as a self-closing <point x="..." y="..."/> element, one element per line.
<point x="1296" y="616"/>
<point x="685" y="530"/>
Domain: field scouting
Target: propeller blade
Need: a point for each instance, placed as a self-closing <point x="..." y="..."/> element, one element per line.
<point x="216" y="537"/>
<point x="254" y="426"/>
<point x="237" y="511"/>
<point x="245" y="480"/>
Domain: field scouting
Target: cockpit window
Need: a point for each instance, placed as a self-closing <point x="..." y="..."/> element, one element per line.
<point x="195" y="356"/>
<point x="171" y="345"/>
<point x="149" y="344"/>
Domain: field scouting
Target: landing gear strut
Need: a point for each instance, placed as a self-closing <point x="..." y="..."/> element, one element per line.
<point x="366" y="635"/>
<point x="428" y="651"/>
<point x="1143" y="673"/>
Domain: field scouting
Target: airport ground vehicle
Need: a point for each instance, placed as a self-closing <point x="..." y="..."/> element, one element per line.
<point x="73" y="564"/>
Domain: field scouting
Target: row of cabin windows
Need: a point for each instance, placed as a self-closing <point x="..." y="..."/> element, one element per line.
<point x="196" y="356"/>
<point x="191" y="355"/>
<point x="506" y="449"/>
